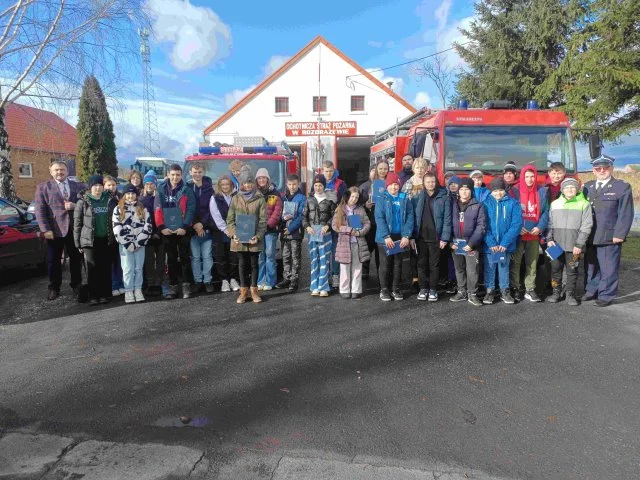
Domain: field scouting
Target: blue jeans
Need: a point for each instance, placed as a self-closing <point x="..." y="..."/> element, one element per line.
<point x="490" y="272"/>
<point x="201" y="258"/>
<point x="267" y="266"/>
<point x="320" y="253"/>
<point x="132" y="268"/>
<point x="116" y="268"/>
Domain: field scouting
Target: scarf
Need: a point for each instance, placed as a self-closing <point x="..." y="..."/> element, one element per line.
<point x="248" y="195"/>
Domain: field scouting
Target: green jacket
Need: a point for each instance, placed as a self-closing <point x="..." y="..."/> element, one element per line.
<point x="570" y="222"/>
<point x="256" y="206"/>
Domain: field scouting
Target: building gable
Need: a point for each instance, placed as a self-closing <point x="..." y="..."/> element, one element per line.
<point x="362" y="78"/>
<point x="33" y="129"/>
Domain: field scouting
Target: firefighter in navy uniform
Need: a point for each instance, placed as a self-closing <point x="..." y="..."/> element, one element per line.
<point x="612" y="206"/>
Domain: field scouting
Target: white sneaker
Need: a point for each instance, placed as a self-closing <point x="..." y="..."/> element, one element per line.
<point x="129" y="297"/>
<point x="225" y="286"/>
<point x="235" y="286"/>
<point x="138" y="295"/>
<point x="267" y="287"/>
<point x="260" y="288"/>
<point x="122" y="292"/>
<point x="116" y="292"/>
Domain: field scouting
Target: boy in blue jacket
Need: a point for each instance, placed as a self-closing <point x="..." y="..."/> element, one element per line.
<point x="291" y="234"/>
<point x="394" y="219"/>
<point x="504" y="221"/>
<point x="468" y="222"/>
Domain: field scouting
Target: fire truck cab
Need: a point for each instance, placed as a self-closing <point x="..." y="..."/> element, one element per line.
<point x="256" y="152"/>
<point x="464" y="140"/>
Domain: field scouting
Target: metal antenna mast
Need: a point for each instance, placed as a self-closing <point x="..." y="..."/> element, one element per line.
<point x="149" y="120"/>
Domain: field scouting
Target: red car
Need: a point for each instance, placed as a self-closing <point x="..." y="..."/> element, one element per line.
<point x="21" y="243"/>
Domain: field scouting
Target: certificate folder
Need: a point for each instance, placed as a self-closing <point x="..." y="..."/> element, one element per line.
<point x="172" y="218"/>
<point x="354" y="221"/>
<point x="395" y="250"/>
<point x="245" y="227"/>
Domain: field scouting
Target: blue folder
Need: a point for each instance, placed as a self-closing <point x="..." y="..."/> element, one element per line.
<point x="316" y="236"/>
<point x="245" y="227"/>
<point x="377" y="190"/>
<point x="395" y="250"/>
<point x="354" y="221"/>
<point x="460" y="243"/>
<point x="554" y="252"/>
<point x="289" y="208"/>
<point x="529" y="225"/>
<point x="496" y="257"/>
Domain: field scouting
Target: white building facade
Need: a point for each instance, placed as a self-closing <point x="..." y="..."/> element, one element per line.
<point x="322" y="104"/>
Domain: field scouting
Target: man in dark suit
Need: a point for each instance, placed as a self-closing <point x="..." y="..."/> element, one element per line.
<point x="55" y="202"/>
<point x="612" y="205"/>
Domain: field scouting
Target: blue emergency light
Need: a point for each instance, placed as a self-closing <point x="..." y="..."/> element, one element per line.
<point x="270" y="150"/>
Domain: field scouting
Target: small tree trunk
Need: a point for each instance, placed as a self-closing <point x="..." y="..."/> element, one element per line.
<point x="7" y="185"/>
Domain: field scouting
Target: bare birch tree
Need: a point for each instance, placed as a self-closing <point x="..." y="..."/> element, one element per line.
<point x="48" y="48"/>
<point x="437" y="70"/>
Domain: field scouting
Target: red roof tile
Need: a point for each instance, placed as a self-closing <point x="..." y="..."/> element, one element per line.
<point x="34" y="129"/>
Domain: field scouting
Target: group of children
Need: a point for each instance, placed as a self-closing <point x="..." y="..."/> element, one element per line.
<point x="481" y="231"/>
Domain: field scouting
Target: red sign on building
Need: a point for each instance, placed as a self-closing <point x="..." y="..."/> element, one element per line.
<point x="305" y="129"/>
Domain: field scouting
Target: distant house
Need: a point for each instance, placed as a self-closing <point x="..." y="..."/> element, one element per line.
<point x="37" y="137"/>
<point x="158" y="165"/>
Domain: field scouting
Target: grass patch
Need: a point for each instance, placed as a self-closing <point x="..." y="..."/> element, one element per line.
<point x="631" y="249"/>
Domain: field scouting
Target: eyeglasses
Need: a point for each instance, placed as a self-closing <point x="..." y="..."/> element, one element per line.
<point x="601" y="169"/>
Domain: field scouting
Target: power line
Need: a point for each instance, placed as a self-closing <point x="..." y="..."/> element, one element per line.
<point x="410" y="61"/>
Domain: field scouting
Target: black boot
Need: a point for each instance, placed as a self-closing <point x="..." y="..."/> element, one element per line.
<point x="555" y="296"/>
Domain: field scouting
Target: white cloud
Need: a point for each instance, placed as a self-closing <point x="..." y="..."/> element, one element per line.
<point x="450" y="35"/>
<point x="233" y="97"/>
<point x="274" y="63"/>
<point x="374" y="43"/>
<point x="398" y="82"/>
<point x="197" y="33"/>
<point x="442" y="13"/>
<point x="422" y="99"/>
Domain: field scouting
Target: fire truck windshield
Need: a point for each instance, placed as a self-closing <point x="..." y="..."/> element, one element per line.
<point x="215" y="168"/>
<point x="488" y="148"/>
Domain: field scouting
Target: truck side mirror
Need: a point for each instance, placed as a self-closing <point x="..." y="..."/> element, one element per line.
<point x="595" y="147"/>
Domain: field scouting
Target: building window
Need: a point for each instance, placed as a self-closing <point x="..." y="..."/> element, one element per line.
<point x="357" y="103"/>
<point x="25" y="170"/>
<point x="282" y="104"/>
<point x="323" y="104"/>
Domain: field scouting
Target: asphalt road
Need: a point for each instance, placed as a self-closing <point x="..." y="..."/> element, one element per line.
<point x="522" y="391"/>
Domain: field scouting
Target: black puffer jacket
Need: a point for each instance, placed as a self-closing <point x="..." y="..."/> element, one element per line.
<point x="318" y="213"/>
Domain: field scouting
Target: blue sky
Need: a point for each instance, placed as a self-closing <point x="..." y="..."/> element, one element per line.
<point x="206" y="55"/>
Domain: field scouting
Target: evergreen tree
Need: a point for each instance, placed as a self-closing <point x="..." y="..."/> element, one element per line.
<point x="514" y="46"/>
<point x="599" y="78"/>
<point x="96" y="141"/>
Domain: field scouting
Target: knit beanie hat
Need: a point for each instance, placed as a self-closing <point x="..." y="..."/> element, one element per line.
<point x="95" y="180"/>
<point x="510" y="166"/>
<point x="391" y="179"/>
<point x="497" y="184"/>
<point x="476" y="172"/>
<point x="128" y="188"/>
<point x="467" y="182"/>
<point x="263" y="172"/>
<point x="455" y="179"/>
<point x="319" y="178"/>
<point x="245" y="175"/>
<point x="150" y="177"/>
<point x="569" y="182"/>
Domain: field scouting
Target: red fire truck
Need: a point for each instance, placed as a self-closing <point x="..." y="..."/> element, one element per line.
<point x="256" y="152"/>
<point x="464" y="140"/>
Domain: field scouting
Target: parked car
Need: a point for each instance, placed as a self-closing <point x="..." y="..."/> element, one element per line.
<point x="21" y="242"/>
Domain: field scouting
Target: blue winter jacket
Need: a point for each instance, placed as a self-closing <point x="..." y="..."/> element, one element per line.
<point x="384" y="217"/>
<point x="504" y="222"/>
<point x="295" y="224"/>
<point x="441" y="213"/>
<point x="481" y="193"/>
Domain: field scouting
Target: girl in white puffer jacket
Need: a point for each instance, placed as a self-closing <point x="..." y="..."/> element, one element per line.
<point x="132" y="230"/>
